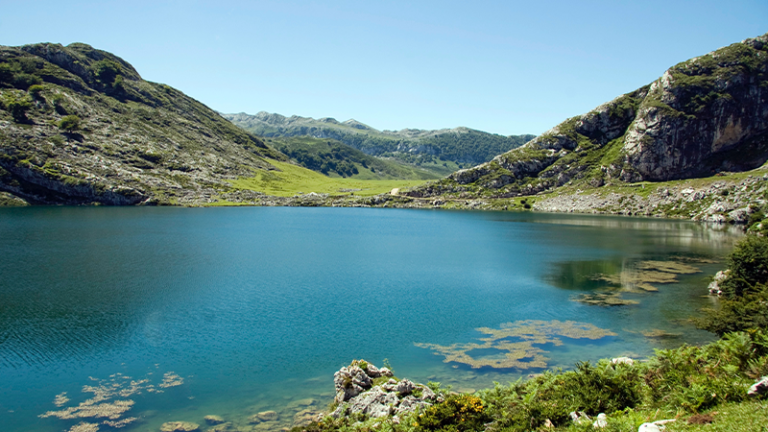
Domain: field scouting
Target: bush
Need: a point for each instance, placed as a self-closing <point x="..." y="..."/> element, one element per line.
<point x="456" y="413"/>
<point x="18" y="109"/>
<point x="70" y="123"/>
<point x="24" y="80"/>
<point x="744" y="305"/>
<point x="36" y="91"/>
<point x="749" y="267"/>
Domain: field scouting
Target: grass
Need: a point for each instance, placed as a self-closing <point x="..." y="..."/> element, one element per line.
<point x="292" y="180"/>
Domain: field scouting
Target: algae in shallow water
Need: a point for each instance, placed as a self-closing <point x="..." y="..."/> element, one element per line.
<point x="605" y="299"/>
<point x="515" y="343"/>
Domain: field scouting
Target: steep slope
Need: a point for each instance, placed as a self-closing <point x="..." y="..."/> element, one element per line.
<point x="703" y="116"/>
<point x="135" y="141"/>
<point x="459" y="145"/>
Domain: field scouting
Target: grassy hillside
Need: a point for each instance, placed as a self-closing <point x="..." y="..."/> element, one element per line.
<point x="333" y="158"/>
<point x="79" y="125"/>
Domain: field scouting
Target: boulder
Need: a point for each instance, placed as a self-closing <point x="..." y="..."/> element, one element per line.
<point x="601" y="422"/>
<point x="649" y="427"/>
<point x="350" y="382"/>
<point x="304" y="417"/>
<point x="180" y="426"/>
<point x="374" y="403"/>
<point x="404" y="387"/>
<point x="263" y="416"/>
<point x="759" y="387"/>
<point x="213" y="419"/>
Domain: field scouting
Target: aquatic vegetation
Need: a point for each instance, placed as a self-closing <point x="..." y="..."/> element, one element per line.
<point x="605" y="299"/>
<point x="61" y="399"/>
<point x="638" y="278"/>
<point x="89" y="409"/>
<point x="668" y="267"/>
<point x="660" y="334"/>
<point x="84" y="427"/>
<point x="170" y="379"/>
<point x="514" y="344"/>
<point x="104" y="403"/>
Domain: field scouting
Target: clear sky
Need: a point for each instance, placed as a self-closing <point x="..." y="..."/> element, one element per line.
<point x="506" y="67"/>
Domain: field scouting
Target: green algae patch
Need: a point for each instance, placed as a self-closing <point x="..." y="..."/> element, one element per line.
<point x="513" y="345"/>
<point x="109" y="402"/>
<point x="605" y="299"/>
<point x="668" y="267"/>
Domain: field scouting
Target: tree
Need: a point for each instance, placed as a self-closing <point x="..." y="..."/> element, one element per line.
<point x="745" y="290"/>
<point x="69" y="123"/>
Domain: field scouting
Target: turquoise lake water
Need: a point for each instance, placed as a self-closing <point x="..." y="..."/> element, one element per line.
<point x="255" y="308"/>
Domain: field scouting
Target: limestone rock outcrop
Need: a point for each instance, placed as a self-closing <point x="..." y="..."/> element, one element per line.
<point x="356" y="392"/>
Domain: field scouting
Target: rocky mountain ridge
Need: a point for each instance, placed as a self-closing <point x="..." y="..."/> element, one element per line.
<point x="703" y="116"/>
<point x="460" y="145"/>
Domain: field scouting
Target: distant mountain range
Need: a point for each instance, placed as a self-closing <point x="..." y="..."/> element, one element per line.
<point x="462" y="146"/>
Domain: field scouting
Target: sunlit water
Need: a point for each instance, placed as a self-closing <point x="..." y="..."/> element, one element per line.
<point x="255" y="308"/>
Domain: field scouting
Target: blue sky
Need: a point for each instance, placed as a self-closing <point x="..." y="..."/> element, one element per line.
<point x="506" y="67"/>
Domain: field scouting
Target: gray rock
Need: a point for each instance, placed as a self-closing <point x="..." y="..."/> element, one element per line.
<point x="427" y="393"/>
<point x="213" y="419"/>
<point x="759" y="387"/>
<point x="739" y="215"/>
<point x="649" y="427"/>
<point x="179" y="426"/>
<point x="405" y="387"/>
<point x="374" y="403"/>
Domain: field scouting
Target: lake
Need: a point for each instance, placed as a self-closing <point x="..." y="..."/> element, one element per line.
<point x="232" y="311"/>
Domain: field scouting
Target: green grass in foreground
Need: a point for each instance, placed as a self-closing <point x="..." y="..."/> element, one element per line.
<point x="292" y="180"/>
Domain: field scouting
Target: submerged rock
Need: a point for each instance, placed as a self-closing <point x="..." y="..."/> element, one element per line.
<point x="213" y="419"/>
<point x="179" y="426"/>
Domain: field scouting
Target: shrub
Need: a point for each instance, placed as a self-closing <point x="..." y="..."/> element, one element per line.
<point x="745" y="290"/>
<point x="36" y="91"/>
<point x="749" y="267"/>
<point x="69" y="123"/>
<point x="456" y="413"/>
<point x="18" y="109"/>
<point x="24" y="80"/>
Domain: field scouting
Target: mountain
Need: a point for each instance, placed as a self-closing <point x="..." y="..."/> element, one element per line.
<point x="79" y="125"/>
<point x="459" y="145"/>
<point x="707" y="116"/>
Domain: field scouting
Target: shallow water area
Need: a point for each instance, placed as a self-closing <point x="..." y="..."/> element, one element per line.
<point x="253" y="309"/>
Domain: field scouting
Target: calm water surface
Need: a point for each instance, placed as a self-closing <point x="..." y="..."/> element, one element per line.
<point x="255" y="308"/>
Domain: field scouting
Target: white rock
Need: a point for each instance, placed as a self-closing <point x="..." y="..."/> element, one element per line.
<point x="622" y="360"/>
<point x="649" y="427"/>
<point x="759" y="387"/>
<point x="601" y="422"/>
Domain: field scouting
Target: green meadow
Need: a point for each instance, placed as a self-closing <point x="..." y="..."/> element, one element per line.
<point x="291" y="180"/>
